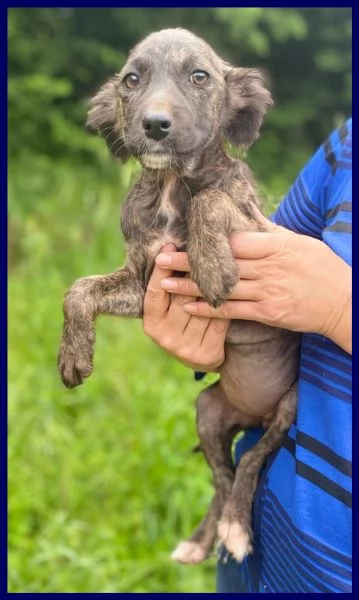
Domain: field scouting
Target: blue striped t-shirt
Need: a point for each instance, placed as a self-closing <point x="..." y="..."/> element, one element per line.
<point x="303" y="507"/>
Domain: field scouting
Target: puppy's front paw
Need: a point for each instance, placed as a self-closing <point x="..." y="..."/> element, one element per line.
<point x="215" y="280"/>
<point x="75" y="363"/>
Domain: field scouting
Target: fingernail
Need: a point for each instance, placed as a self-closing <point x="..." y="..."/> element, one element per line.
<point x="191" y="307"/>
<point x="169" y="284"/>
<point x="169" y="248"/>
<point x="163" y="260"/>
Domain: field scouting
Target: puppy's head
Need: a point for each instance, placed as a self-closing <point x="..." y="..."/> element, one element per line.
<point x="173" y="98"/>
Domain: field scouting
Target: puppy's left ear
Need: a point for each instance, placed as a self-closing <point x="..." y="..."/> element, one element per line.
<point x="248" y="100"/>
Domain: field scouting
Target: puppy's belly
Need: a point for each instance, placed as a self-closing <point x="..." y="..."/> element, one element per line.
<point x="260" y="366"/>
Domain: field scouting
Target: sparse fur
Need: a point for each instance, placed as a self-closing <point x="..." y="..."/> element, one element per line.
<point x="193" y="194"/>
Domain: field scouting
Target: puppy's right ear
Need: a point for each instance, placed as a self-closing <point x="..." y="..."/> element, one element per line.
<point x="105" y="116"/>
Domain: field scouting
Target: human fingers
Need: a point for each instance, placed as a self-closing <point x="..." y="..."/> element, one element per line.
<point x="176" y="261"/>
<point x="157" y="300"/>
<point x="202" y="343"/>
<point x="177" y="319"/>
<point x="233" y="309"/>
<point x="245" y="289"/>
<point x="258" y="244"/>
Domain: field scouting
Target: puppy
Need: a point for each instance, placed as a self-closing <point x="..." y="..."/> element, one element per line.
<point x="174" y="106"/>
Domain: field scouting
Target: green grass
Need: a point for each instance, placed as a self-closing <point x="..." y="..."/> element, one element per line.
<point x="102" y="483"/>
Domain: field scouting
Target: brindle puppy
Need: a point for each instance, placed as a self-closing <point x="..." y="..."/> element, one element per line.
<point x="173" y="106"/>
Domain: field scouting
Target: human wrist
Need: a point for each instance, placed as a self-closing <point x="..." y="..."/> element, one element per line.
<point x="342" y="332"/>
<point x="339" y="327"/>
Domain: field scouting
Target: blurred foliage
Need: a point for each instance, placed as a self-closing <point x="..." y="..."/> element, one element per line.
<point x="58" y="57"/>
<point x="102" y="483"/>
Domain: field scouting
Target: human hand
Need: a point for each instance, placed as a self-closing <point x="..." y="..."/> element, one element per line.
<point x="197" y="341"/>
<point x="286" y="280"/>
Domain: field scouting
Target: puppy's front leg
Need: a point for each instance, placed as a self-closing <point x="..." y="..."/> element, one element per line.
<point x="119" y="293"/>
<point x="213" y="216"/>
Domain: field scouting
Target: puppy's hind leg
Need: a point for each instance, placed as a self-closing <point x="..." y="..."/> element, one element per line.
<point x="215" y="422"/>
<point x="200" y="545"/>
<point x="234" y="528"/>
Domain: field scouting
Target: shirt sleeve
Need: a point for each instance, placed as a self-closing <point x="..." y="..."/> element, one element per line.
<point x="326" y="175"/>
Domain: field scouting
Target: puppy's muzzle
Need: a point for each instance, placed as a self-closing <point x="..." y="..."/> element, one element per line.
<point x="157" y="125"/>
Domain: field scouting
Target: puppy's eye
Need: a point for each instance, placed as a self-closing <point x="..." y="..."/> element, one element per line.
<point x="199" y="77"/>
<point x="131" y="81"/>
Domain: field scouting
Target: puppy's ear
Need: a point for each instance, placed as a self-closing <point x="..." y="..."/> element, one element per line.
<point x="105" y="116"/>
<point x="247" y="102"/>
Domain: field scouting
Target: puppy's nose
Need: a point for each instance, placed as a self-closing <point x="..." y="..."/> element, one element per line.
<point x="157" y="125"/>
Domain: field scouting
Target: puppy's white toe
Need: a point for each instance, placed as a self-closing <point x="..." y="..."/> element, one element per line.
<point x="189" y="553"/>
<point x="235" y="538"/>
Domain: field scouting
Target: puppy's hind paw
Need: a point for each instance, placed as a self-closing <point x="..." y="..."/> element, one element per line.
<point x="236" y="539"/>
<point x="189" y="552"/>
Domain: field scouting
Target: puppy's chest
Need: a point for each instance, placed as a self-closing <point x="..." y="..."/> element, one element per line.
<point x="168" y="221"/>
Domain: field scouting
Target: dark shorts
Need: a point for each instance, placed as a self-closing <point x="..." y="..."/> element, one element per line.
<point x="233" y="577"/>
